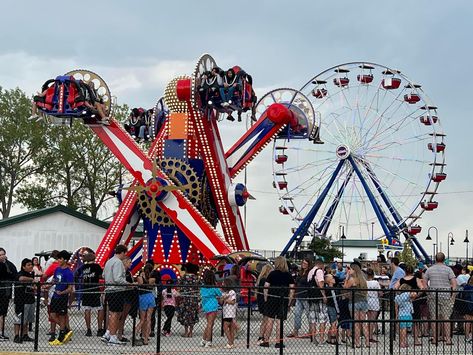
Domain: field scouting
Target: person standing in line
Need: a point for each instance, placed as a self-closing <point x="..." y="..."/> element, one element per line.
<point x="8" y="274"/>
<point x="189" y="301"/>
<point x="404" y="303"/>
<point x="63" y="280"/>
<point x="147" y="302"/>
<point x="468" y="290"/>
<point x="169" y="297"/>
<point x="397" y="272"/>
<point x="333" y="309"/>
<point x="373" y="302"/>
<point x="318" y="307"/>
<point x="279" y="287"/>
<point x="302" y="305"/>
<point x="440" y="278"/>
<point x="229" y="299"/>
<point x="260" y="299"/>
<point x="156" y="275"/>
<point x="91" y="298"/>
<point x="24" y="302"/>
<point x="115" y="276"/>
<point x="359" y="304"/>
<point x="210" y="296"/>
<point x="51" y="260"/>
<point x="37" y="269"/>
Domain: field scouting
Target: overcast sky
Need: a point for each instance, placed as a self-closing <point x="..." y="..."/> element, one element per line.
<point x="137" y="46"/>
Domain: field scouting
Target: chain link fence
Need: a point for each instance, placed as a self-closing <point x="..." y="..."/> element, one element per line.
<point x="194" y="318"/>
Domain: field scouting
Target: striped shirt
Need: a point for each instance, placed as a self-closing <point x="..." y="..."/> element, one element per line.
<point x="438" y="277"/>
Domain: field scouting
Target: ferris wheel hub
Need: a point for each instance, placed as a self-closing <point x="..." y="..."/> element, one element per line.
<point x="342" y="151"/>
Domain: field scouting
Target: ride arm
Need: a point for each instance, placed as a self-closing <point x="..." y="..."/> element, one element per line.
<point x="271" y="122"/>
<point x="176" y="205"/>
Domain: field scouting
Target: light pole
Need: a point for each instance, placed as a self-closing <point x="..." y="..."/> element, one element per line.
<point x="450" y="241"/>
<point x="372" y="230"/>
<point x="436" y="238"/>
<point x="343" y="237"/>
<point x="466" y="241"/>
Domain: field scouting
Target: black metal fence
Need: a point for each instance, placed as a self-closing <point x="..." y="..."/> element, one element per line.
<point x="341" y="321"/>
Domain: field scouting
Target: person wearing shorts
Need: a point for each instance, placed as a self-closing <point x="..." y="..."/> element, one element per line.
<point x="115" y="276"/>
<point x="91" y="273"/>
<point x="405" y="310"/>
<point x="63" y="280"/>
<point x="441" y="279"/>
<point x="24" y="302"/>
<point x="209" y="294"/>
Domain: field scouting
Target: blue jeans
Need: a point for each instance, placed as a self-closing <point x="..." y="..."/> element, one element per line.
<point x="228" y="95"/>
<point x="143" y="130"/>
<point x="301" y="306"/>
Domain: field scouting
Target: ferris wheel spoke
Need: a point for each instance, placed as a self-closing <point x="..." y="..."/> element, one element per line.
<point x="396" y="126"/>
<point x="391" y="158"/>
<point x="411" y="140"/>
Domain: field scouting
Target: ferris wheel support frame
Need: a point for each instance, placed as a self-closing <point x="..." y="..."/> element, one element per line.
<point x="304" y="226"/>
<point x="322" y="229"/>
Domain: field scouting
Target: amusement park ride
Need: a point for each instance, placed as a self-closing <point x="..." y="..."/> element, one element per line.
<point x="183" y="186"/>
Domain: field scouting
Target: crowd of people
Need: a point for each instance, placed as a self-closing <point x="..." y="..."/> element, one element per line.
<point x="339" y="303"/>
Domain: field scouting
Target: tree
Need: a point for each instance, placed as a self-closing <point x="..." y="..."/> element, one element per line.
<point x="80" y="170"/>
<point x="407" y="255"/>
<point x="323" y="248"/>
<point x="20" y="144"/>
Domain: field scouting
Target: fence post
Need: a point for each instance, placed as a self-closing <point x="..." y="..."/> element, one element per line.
<point x="281" y="325"/>
<point x="437" y="317"/>
<point x="383" y="316"/>
<point x="36" y="323"/>
<point x="392" y="325"/>
<point x="248" y="319"/>
<point x="353" y="323"/>
<point x="158" y="326"/>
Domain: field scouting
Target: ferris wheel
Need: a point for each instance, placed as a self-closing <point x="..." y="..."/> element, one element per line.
<point x="381" y="162"/>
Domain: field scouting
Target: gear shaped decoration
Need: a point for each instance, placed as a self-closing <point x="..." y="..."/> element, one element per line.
<point x="99" y="84"/>
<point x="184" y="177"/>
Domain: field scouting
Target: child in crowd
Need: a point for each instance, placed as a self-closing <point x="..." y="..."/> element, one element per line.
<point x="63" y="279"/>
<point x="169" y="304"/>
<point x="210" y="295"/>
<point x="24" y="302"/>
<point x="405" y="310"/>
<point x="229" y="311"/>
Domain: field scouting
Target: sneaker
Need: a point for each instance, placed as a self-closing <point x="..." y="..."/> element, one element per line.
<point x="67" y="336"/>
<point x="279" y="345"/>
<point x="125" y="340"/>
<point x="27" y="338"/>
<point x="152" y="335"/>
<point x="229" y="346"/>
<point x="208" y="344"/>
<point x="230" y="118"/>
<point x="17" y="339"/>
<point x="264" y="344"/>
<point x="168" y="334"/>
<point x="225" y="104"/>
<point x="115" y="341"/>
<point x="105" y="338"/>
<point x="33" y="117"/>
<point x="100" y="332"/>
<point x="139" y="342"/>
<point x="4" y="338"/>
<point x="203" y="342"/>
<point x="88" y="333"/>
<point x="56" y="342"/>
<point x="52" y="337"/>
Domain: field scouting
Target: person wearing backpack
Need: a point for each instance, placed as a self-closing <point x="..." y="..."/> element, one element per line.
<point x="318" y="302"/>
